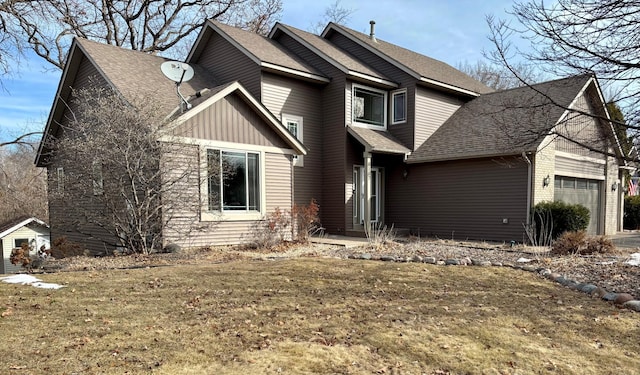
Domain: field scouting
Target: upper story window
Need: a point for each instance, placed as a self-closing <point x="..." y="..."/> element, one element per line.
<point x="295" y="126"/>
<point x="399" y="107"/>
<point x="368" y="106"/>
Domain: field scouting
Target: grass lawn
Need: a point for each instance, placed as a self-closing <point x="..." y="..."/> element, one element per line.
<point x="309" y="315"/>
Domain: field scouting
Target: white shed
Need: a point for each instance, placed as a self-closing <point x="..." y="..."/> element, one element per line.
<point x="33" y="231"/>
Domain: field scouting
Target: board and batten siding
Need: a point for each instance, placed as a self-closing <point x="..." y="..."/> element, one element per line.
<point x="464" y="199"/>
<point x="185" y="226"/>
<point x="230" y="119"/>
<point x="228" y="64"/>
<point x="282" y="95"/>
<point x="432" y="110"/>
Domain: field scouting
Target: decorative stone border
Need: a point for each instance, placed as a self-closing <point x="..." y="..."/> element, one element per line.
<point x="624" y="300"/>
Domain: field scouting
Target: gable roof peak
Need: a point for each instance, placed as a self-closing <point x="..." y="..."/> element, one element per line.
<point x="426" y="69"/>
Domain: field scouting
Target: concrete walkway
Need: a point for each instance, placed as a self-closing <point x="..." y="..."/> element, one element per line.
<point x="347" y="242"/>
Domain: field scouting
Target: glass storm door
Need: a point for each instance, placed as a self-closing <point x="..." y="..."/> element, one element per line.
<point x="359" y="196"/>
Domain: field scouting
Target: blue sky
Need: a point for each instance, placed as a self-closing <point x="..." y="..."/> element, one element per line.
<point x="451" y="31"/>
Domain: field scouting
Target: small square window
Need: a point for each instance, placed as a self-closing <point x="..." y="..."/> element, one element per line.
<point x="399" y="107"/>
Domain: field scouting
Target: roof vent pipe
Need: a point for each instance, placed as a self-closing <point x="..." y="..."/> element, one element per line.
<point x="372" y="34"/>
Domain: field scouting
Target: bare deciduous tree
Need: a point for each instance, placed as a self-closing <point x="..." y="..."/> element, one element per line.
<point x="498" y="77"/>
<point x="115" y="179"/>
<point x="568" y="37"/>
<point x="149" y="26"/>
<point x="23" y="190"/>
<point x="336" y="13"/>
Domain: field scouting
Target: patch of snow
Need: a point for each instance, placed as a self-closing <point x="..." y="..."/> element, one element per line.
<point x="29" y="280"/>
<point x="524" y="260"/>
<point x="634" y="259"/>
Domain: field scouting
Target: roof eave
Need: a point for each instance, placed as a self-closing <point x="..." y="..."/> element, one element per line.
<point x="293" y="72"/>
<point x="447" y="87"/>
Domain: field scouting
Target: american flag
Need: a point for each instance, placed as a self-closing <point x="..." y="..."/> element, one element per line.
<point x="633" y="187"/>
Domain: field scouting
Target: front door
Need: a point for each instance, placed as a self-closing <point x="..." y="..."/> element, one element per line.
<point x="359" y="196"/>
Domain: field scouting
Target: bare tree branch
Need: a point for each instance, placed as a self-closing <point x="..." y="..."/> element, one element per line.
<point x="153" y="26"/>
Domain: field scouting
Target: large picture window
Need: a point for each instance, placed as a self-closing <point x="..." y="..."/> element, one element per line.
<point x="233" y="181"/>
<point x="369" y="106"/>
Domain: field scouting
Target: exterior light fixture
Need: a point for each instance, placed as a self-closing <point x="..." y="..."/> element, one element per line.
<point x="546" y="181"/>
<point x="614" y="186"/>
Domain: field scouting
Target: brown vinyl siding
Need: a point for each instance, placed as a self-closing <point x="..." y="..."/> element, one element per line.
<point x="460" y="199"/>
<point x="187" y="230"/>
<point x="230" y="119"/>
<point x="403" y="132"/>
<point x="432" y="110"/>
<point x="228" y="64"/>
<point x="66" y="219"/>
<point x="334" y="164"/>
<point x="334" y="135"/>
<point x="283" y="95"/>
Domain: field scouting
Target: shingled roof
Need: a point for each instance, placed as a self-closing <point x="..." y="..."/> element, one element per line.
<point x="502" y="123"/>
<point x="420" y="66"/>
<point x="329" y="51"/>
<point x="262" y="50"/>
<point x="134" y="73"/>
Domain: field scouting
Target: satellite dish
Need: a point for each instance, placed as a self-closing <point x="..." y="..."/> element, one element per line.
<point x="177" y="71"/>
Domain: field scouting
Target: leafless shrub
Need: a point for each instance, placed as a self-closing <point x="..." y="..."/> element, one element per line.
<point x="579" y="243"/>
<point x="379" y="235"/>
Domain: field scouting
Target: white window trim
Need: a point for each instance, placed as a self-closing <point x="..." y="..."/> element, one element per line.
<point x="206" y="214"/>
<point x="393" y="94"/>
<point x="60" y="179"/>
<point x="355" y="122"/>
<point x="97" y="179"/>
<point x="298" y="160"/>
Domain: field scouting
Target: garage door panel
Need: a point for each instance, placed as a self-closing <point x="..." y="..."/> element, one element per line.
<point x="581" y="191"/>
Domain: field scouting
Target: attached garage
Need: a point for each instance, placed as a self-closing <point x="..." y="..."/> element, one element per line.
<point x="581" y="191"/>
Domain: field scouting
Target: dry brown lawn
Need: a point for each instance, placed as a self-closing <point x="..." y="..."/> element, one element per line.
<point x="301" y="316"/>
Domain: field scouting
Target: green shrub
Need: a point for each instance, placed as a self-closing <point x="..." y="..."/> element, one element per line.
<point x="632" y="212"/>
<point x="565" y="217"/>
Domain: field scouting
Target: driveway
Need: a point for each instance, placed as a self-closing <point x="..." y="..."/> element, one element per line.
<point x="627" y="239"/>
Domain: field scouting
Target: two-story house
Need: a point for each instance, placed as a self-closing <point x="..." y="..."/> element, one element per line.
<point x="376" y="133"/>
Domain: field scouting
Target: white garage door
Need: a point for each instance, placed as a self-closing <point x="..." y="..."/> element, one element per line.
<point x="581" y="191"/>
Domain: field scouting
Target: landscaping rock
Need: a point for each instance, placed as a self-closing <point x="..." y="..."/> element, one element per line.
<point x="554" y="276"/>
<point x="387" y="258"/>
<point x="623" y="298"/>
<point x="416" y="259"/>
<point x="466" y="261"/>
<point x="632" y="305"/>
<point x="496" y="264"/>
<point x="587" y="288"/>
<point x="452" y="262"/>
<point x="598" y="292"/>
<point x="529" y="268"/>
<point x="485" y="263"/>
<point x="430" y="260"/>
<point x="365" y="256"/>
<point x="610" y="297"/>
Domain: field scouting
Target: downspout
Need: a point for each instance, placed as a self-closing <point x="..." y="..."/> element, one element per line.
<point x="529" y="179"/>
